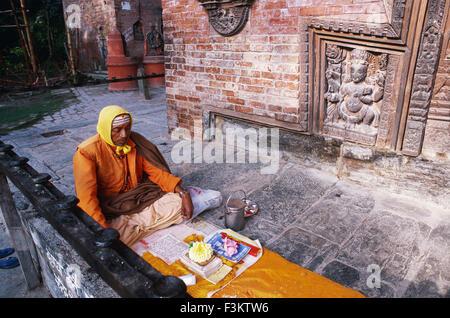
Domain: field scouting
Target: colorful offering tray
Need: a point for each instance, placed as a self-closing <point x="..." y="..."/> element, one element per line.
<point x="217" y="244"/>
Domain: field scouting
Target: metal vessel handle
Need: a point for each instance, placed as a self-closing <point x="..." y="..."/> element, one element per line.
<point x="229" y="197"/>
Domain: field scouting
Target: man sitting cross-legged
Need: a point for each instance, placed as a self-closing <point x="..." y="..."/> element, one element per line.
<point x="123" y="181"/>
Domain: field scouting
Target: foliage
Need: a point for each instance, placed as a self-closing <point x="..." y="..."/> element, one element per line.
<point x="48" y="34"/>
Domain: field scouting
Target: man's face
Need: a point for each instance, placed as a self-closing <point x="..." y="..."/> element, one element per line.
<point x="120" y="134"/>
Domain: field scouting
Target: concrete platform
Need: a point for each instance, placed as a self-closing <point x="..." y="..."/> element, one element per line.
<point x="347" y="232"/>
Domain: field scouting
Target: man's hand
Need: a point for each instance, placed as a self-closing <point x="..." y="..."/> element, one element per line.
<point x="187" y="205"/>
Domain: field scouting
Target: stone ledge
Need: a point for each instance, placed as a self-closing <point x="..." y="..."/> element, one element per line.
<point x="419" y="177"/>
<point x="64" y="272"/>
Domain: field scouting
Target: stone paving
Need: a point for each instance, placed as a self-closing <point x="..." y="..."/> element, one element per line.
<point x="346" y="232"/>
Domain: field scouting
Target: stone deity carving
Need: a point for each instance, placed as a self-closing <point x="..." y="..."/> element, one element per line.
<point x="352" y="92"/>
<point x="355" y="94"/>
<point x="103" y="47"/>
<point x="155" y="42"/>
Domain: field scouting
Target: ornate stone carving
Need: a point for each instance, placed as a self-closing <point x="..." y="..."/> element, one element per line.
<point x="335" y="56"/>
<point x="399" y="13"/>
<point x="388" y="108"/>
<point x="155" y="42"/>
<point x="227" y="17"/>
<point x="391" y="30"/>
<point x="426" y="68"/>
<point x="355" y="86"/>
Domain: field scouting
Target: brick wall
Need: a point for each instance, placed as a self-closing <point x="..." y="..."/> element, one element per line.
<point x="97" y="20"/>
<point x="94" y="14"/>
<point x="256" y="71"/>
<point x="146" y="12"/>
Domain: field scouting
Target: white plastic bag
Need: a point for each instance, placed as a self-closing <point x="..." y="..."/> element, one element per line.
<point x="204" y="199"/>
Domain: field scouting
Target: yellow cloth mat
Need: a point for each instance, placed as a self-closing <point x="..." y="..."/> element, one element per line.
<point x="271" y="276"/>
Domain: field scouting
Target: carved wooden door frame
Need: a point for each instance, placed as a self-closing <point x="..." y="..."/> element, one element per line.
<point x="405" y="40"/>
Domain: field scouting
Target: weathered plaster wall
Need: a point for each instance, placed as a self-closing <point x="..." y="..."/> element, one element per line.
<point x="64" y="273"/>
<point x="99" y="17"/>
<point x="90" y="21"/>
<point x="137" y="14"/>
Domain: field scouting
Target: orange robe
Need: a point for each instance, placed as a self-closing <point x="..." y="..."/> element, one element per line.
<point x="99" y="172"/>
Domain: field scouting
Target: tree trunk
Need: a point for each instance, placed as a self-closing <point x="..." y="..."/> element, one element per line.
<point x="25" y="49"/>
<point x="30" y="42"/>
<point x="49" y="34"/>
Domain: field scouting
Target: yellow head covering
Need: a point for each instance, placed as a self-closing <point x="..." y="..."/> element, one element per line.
<point x="105" y="119"/>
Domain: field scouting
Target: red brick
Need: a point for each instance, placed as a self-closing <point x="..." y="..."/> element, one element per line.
<point x="243" y="109"/>
<point x="257" y="71"/>
<point x="314" y="11"/>
<point x="228" y="92"/>
<point x="235" y="100"/>
<point x="290" y="110"/>
<point x="274" y="108"/>
<point x="180" y="97"/>
<point x="288" y="85"/>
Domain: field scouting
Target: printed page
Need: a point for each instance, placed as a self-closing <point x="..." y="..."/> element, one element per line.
<point x="203" y="226"/>
<point x="168" y="248"/>
<point x="179" y="232"/>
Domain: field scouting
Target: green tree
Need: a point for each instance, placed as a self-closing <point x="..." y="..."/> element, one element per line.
<point x="48" y="35"/>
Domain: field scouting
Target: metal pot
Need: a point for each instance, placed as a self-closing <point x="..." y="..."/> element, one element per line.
<point x="235" y="212"/>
